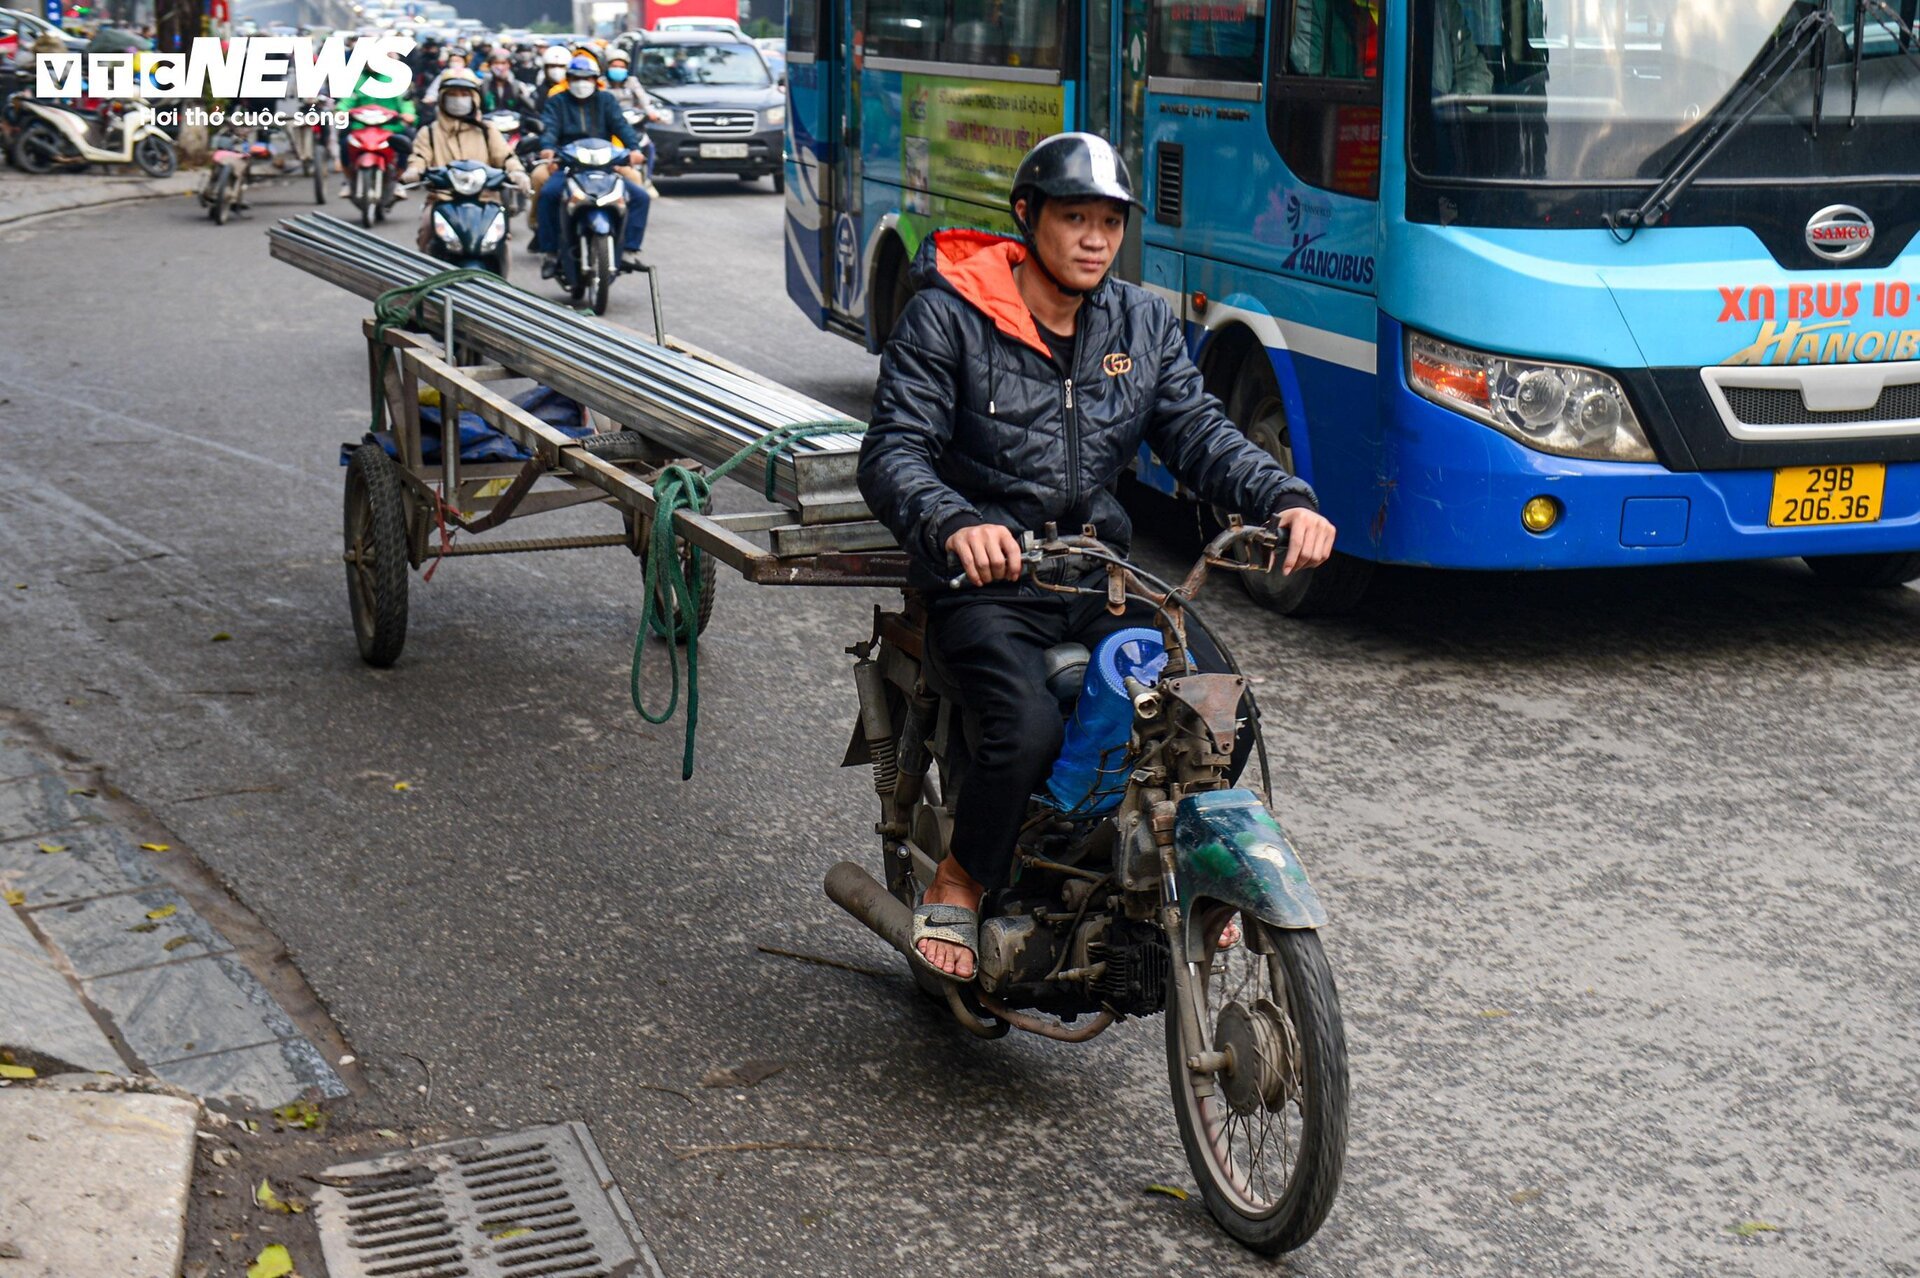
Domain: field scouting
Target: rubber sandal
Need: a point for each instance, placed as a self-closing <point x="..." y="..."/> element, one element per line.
<point x="954" y="924"/>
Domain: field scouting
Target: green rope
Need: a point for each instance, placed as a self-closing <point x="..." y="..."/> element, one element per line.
<point x="400" y="308"/>
<point x="678" y="488"/>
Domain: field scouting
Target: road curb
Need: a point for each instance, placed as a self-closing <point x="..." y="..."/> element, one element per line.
<point x="82" y="199"/>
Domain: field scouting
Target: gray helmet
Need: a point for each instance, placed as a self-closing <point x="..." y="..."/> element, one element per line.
<point x="1071" y="166"/>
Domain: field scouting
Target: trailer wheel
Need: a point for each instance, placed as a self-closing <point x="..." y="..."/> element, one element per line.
<point x="1333" y="588"/>
<point x="376" y="555"/>
<point x="1864" y="572"/>
<point x="631" y="446"/>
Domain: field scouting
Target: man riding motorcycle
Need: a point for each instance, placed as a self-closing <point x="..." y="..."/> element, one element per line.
<point x="458" y="133"/>
<point x="1017" y="385"/>
<point x="501" y="91"/>
<point x="399" y="128"/>
<point x="553" y="69"/>
<point x="585" y="110"/>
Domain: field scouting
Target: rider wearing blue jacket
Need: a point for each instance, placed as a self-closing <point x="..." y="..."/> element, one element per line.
<point x="585" y="110"/>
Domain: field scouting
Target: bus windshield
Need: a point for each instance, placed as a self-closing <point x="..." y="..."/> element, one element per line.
<point x="1608" y="91"/>
<point x="668" y="66"/>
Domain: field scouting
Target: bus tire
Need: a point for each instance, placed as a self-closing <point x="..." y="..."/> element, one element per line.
<point x="893" y="273"/>
<point x="1333" y="588"/>
<point x="1864" y="572"/>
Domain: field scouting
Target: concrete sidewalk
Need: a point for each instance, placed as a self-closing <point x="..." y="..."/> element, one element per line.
<point x="23" y="196"/>
<point x="95" y="1178"/>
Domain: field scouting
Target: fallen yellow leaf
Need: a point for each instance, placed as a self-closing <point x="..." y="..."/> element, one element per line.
<point x="53" y="847"/>
<point x="17" y="1071"/>
<point x="1521" y="1197"/>
<point x="176" y="943"/>
<point x="265" y="1197"/>
<point x="272" y="1262"/>
<point x="156" y="847"/>
<point x="1171" y="1191"/>
<point x="84" y="791"/>
<point x="221" y="637"/>
<point x="16" y="897"/>
<point x="1495" y="1013"/>
<point x="1749" y="1228"/>
<point x="164" y="912"/>
<point x="518" y="1231"/>
<point x="402" y="785"/>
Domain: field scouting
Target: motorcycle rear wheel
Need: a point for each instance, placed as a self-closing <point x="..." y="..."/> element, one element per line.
<point x="37" y="149"/>
<point x="319" y="170"/>
<point x="222" y="199"/>
<point x="155" y="156"/>
<point x="1278" y="1004"/>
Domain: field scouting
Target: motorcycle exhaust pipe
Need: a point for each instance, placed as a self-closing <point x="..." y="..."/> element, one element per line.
<point x="861" y="895"/>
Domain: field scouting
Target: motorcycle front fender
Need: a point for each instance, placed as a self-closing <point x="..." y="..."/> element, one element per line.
<point x="599" y="223"/>
<point x="1228" y="848"/>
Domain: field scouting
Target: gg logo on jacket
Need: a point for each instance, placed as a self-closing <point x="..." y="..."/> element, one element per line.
<point x="1117" y="364"/>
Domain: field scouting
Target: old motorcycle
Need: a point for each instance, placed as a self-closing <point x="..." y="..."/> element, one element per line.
<point x="1162" y="887"/>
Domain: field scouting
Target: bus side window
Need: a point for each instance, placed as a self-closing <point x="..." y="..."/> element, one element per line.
<point x="1324" y="106"/>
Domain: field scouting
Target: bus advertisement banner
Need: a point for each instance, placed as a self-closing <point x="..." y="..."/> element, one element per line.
<point x="961" y="141"/>
<point x="654" y="10"/>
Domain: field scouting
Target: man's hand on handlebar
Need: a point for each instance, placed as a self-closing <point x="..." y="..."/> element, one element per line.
<point x="988" y="552"/>
<point x="1309" y="538"/>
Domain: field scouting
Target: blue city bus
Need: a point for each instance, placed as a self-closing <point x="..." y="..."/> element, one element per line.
<point x="1516" y="284"/>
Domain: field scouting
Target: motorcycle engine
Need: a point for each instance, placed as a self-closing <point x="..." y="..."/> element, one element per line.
<point x="1138" y="968"/>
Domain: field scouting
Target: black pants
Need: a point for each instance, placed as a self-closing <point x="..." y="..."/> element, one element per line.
<point x="990" y="650"/>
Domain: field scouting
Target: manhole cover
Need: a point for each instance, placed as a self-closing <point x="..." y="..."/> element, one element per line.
<point x="523" y="1205"/>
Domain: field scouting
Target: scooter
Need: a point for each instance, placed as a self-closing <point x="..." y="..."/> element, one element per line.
<point x="53" y="134"/>
<point x="522" y="137"/>
<point x="595" y="208"/>
<point x="468" y="232"/>
<point x="371" y="164"/>
<point x="1146" y="880"/>
<point x="225" y="189"/>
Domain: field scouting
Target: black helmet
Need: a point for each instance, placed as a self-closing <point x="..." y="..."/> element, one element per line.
<point x="1071" y="166"/>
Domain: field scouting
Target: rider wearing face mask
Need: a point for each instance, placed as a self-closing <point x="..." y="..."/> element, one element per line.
<point x="585" y="110"/>
<point x="458" y="133"/>
<point x="500" y="91"/>
<point x="553" y="69"/>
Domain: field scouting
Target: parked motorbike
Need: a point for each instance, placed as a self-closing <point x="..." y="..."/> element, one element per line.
<point x="55" y="134"/>
<point x="1146" y="882"/>
<point x="467" y="231"/>
<point x="372" y="167"/>
<point x="595" y="211"/>
<point x="225" y="189"/>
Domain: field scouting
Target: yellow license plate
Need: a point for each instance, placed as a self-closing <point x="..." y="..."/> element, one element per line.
<point x="1805" y="496"/>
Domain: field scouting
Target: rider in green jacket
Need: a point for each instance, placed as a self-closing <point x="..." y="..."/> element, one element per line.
<point x="401" y="128"/>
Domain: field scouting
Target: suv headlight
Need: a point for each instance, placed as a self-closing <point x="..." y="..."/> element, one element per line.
<point x="1556" y="408"/>
<point x="662" y="114"/>
<point x="775" y="117"/>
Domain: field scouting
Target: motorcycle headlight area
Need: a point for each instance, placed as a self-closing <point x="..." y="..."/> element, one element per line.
<point x="467" y="181"/>
<point x="495" y="232"/>
<point x="594" y="157"/>
<point x="1556" y="408"/>
<point x="444" y="229"/>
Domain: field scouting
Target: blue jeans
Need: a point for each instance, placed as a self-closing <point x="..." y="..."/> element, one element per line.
<point x="546" y="233"/>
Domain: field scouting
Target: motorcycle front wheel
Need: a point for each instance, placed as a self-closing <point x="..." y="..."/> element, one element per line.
<point x="1267" y="1148"/>
<point x="37" y="149"/>
<point x="363" y="195"/>
<point x="155" y="156"/>
<point x="220" y="202"/>
<point x="603" y="272"/>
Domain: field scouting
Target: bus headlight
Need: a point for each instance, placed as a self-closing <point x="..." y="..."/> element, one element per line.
<point x="1556" y="408"/>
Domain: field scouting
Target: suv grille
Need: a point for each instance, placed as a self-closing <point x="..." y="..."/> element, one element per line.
<point x="721" y="124"/>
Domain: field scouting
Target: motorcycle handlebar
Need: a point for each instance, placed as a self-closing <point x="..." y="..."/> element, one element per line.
<point x="1265" y="542"/>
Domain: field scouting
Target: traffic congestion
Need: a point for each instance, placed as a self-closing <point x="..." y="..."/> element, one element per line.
<point x="1161" y="638"/>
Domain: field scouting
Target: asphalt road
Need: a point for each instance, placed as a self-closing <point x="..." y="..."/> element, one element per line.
<point x="1620" y="866"/>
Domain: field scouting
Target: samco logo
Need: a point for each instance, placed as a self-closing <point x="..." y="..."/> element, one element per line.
<point x="1117" y="364"/>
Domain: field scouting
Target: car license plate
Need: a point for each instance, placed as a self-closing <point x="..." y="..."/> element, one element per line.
<point x="723" y="150"/>
<point x="1804" y="496"/>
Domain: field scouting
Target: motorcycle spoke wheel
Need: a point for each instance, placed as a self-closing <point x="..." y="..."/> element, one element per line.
<point x="376" y="555"/>
<point x="1267" y="1147"/>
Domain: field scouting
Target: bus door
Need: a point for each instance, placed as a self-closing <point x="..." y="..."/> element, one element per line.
<point x="840" y="220"/>
<point x="1116" y="98"/>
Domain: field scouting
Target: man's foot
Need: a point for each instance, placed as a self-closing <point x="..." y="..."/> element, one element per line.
<point x="346" y="190"/>
<point x="630" y="261"/>
<point x="549" y="265"/>
<point x="951" y="886"/>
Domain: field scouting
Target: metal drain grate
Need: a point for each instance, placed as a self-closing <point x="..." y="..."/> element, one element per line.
<point x="532" y="1204"/>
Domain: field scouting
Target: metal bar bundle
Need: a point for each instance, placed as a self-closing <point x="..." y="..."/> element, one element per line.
<point x="692" y="403"/>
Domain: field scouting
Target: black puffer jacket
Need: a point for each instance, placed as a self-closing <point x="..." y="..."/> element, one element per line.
<point x="974" y="423"/>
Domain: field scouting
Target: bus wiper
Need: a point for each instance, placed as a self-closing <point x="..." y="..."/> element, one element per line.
<point x="1726" y="118"/>
<point x="1905" y="38"/>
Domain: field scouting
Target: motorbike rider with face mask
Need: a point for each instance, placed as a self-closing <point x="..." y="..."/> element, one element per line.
<point x="585" y="110"/>
<point x="458" y="133"/>
<point x="1017" y="384"/>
